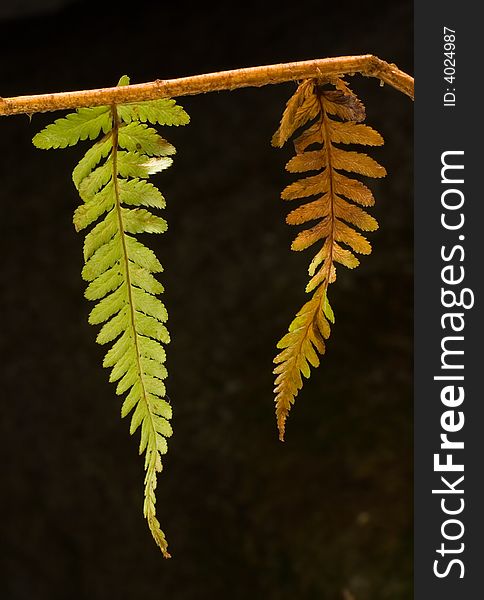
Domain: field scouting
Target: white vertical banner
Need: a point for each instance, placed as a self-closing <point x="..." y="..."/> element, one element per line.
<point x="449" y="254"/>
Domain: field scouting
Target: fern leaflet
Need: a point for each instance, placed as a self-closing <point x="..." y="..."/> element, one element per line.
<point x="334" y="118"/>
<point x="111" y="179"/>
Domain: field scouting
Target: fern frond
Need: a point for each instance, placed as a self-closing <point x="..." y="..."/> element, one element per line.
<point x="335" y="204"/>
<point x="111" y="180"/>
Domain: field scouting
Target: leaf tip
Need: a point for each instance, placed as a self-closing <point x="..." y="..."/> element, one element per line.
<point x="276" y="141"/>
<point x="281" y="426"/>
<point x="123" y="80"/>
<point x="327" y="310"/>
<point x="39" y="141"/>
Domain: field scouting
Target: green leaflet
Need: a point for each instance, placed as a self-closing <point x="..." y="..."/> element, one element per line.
<point x="111" y="180"/>
<point x="139" y="220"/>
<point x="96" y="180"/>
<point x="83" y="124"/>
<point x="137" y="137"/>
<point x="91" y="159"/>
<point x="100" y="234"/>
<point x="137" y="192"/>
<point x="158" y="112"/>
<point x="92" y="209"/>
<point x="132" y="164"/>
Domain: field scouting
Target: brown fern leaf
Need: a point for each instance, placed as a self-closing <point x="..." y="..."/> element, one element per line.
<point x="335" y="201"/>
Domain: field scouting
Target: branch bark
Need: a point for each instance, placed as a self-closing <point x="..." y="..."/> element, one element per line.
<point x="366" y="64"/>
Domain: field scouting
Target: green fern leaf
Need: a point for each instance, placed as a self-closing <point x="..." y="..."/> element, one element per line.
<point x="144" y="279"/>
<point x="91" y="159"/>
<point x="105" y="283"/>
<point x="139" y="220"/>
<point x="100" y="235"/>
<point x="93" y="208"/>
<point x="96" y="180"/>
<point x="111" y="180"/>
<point x="132" y="164"/>
<point x="142" y="256"/>
<point x="137" y="137"/>
<point x="157" y="112"/>
<point x="137" y="192"/>
<point x="83" y="124"/>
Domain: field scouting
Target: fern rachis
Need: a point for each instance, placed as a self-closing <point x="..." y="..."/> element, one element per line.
<point x="119" y="270"/>
<point x="335" y="214"/>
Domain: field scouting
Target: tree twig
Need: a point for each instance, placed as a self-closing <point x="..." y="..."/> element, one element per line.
<point x="366" y="64"/>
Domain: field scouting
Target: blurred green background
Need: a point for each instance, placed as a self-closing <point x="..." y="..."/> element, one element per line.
<point x="327" y="514"/>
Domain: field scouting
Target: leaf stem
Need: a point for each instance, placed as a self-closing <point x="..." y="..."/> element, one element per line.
<point x="119" y="214"/>
<point x="150" y="481"/>
<point x="328" y="148"/>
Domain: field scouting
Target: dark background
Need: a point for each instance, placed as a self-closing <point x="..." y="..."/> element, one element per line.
<point x="327" y="514"/>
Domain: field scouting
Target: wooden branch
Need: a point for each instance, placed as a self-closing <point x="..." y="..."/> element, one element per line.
<point x="366" y="64"/>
